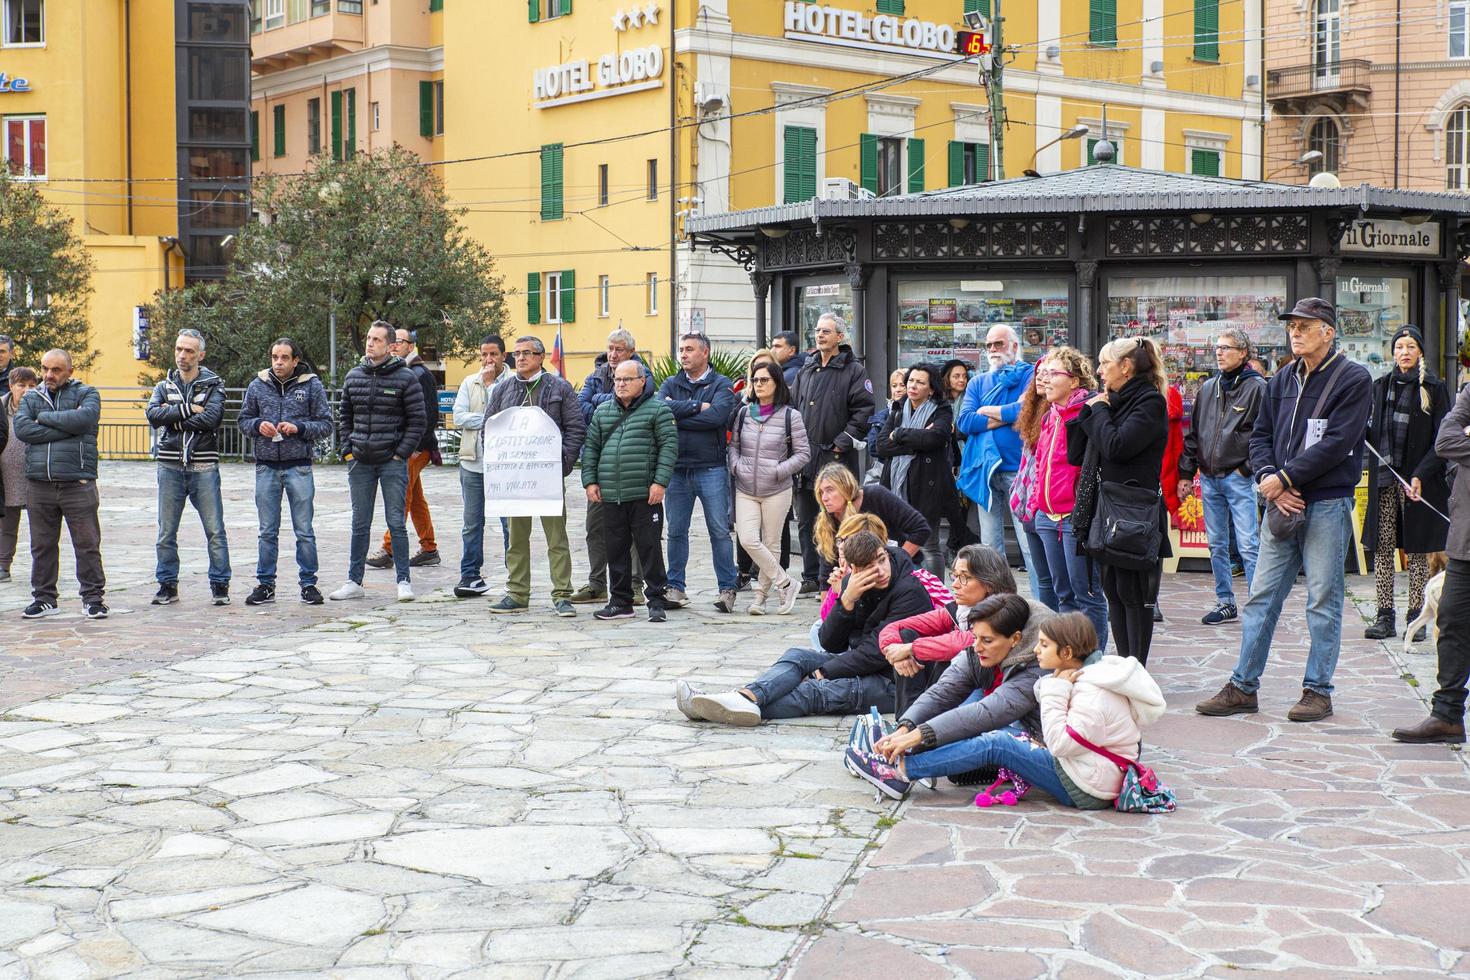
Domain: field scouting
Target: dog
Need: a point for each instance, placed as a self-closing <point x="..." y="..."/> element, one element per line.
<point x="1429" y="615"/>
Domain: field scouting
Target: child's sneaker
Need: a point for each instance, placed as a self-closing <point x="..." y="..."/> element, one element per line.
<point x="885" y="778"/>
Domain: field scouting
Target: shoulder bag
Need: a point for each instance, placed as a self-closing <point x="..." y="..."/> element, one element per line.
<point x="1125" y="526"/>
<point x="1141" y="791"/>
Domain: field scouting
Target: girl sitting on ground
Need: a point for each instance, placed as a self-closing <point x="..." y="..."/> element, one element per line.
<point x="1104" y="699"/>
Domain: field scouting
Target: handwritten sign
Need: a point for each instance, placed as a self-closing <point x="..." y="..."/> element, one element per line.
<point x="522" y="464"/>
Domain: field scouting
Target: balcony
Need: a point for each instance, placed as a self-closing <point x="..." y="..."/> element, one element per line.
<point x="313" y="39"/>
<point x="1344" y="85"/>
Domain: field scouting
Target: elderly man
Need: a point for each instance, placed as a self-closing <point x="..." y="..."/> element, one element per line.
<point x="1218" y="448"/>
<point x="598" y="390"/>
<point x="533" y="385"/>
<point x="627" y="463"/>
<point x="1306" y="451"/>
<point x="58" y="423"/>
<point x="415" y="503"/>
<point x="702" y="400"/>
<point x="469" y="419"/>
<point x="992" y="456"/>
<point x="186" y="409"/>
<point x="835" y="398"/>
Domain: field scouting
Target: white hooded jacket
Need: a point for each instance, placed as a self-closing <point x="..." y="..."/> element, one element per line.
<point x="1111" y="701"/>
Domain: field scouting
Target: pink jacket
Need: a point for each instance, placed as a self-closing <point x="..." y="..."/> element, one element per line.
<point x="1108" y="705"/>
<point x="1055" y="491"/>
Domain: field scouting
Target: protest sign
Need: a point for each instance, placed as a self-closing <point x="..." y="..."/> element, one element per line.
<point x="522" y="464"/>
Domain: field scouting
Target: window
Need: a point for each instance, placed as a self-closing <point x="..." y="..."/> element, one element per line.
<point x="223" y="22"/>
<point x="890" y="6"/>
<point x="969" y="163"/>
<point x="273" y="14"/>
<point x="1460" y="29"/>
<point x="217" y="161"/>
<point x="349" y="6"/>
<point x="551" y="182"/>
<point x="890" y="167"/>
<point x="1184" y="313"/>
<point x="1088" y="159"/>
<point x="25" y="146"/>
<point x="226" y="125"/>
<point x="602" y="185"/>
<point x="1324" y="139"/>
<point x="604" y="296"/>
<point x="799" y="164"/>
<point x="916" y="166"/>
<point x="435" y="5"/>
<point x="1457" y="149"/>
<point x="547" y="9"/>
<point x="439" y="108"/>
<point x="1207" y="30"/>
<point x="320" y="8"/>
<point x="313" y="126"/>
<point x="218" y="208"/>
<point x="558" y="300"/>
<point x="1327" y="40"/>
<point x="551" y="297"/>
<point x="255" y="136"/>
<point x="278" y="127"/>
<point x="941" y="319"/>
<point x="981" y="7"/>
<point x="20" y="297"/>
<point x="218" y="75"/>
<point x="651" y="285"/>
<point x="1204" y="163"/>
<point x="652" y="194"/>
<point x="1370" y="310"/>
<point x="1102" y="23"/>
<point x="24" y="22"/>
<point x="375" y="117"/>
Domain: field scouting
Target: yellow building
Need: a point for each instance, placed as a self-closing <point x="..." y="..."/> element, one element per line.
<point x="606" y="122"/>
<point x="150" y="164"/>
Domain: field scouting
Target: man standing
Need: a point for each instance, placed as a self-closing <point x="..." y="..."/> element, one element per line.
<point x="1307" y="456"/>
<point x="285" y="411"/>
<point x="469" y="419"/>
<point x="416" y="504"/>
<point x="628" y="461"/>
<point x="702" y="400"/>
<point x="597" y="390"/>
<point x="789" y="356"/>
<point x="1446" y="721"/>
<point x="58" y="423"/>
<point x="187" y="408"/>
<point x="383" y="423"/>
<point x="992" y="455"/>
<point x="532" y="385"/>
<point x="835" y="398"/>
<point x="1218" y="448"/>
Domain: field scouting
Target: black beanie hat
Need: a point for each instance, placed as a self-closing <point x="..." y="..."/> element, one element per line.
<point x="1411" y="331"/>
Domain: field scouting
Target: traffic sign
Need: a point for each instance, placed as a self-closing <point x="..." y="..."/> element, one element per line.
<point x="971" y="43"/>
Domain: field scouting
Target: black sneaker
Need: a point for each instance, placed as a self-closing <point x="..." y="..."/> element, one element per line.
<point x="221" y="593"/>
<point x="40" y="608"/>
<point x="809" y="587"/>
<point x="422" y="558"/>
<point x="167" y="594"/>
<point x="260" y="595"/>
<point x="610" y="611"/>
<point x="97" y="610"/>
<point x="311" y="595"/>
<point x="656" y="614"/>
<point x="1225" y="612"/>
<point x="469" y="588"/>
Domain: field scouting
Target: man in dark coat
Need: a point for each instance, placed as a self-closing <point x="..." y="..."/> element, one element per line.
<point x="416" y="504"/>
<point x="789" y="355"/>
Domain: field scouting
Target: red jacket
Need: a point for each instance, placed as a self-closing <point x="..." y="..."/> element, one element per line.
<point x="939" y="637"/>
<point x="1169" y="475"/>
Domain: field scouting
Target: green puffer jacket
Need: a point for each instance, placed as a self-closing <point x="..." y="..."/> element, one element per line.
<point x="625" y="459"/>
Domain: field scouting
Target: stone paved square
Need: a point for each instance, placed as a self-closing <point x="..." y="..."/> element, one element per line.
<point x="375" y="789"/>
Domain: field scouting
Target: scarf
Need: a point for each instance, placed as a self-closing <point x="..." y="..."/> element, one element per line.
<point x="1228" y="378"/>
<point x="913" y="418"/>
<point x="1400" y="400"/>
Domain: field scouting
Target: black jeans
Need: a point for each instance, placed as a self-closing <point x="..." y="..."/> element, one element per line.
<point x="1454" y="642"/>
<point x="634" y="524"/>
<point x="597" y="549"/>
<point x="1132" y="594"/>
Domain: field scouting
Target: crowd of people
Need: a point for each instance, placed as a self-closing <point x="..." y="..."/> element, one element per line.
<point x="1080" y="458"/>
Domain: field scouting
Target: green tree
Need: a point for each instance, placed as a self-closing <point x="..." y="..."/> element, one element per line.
<point x="371" y="238"/>
<point x="45" y="276"/>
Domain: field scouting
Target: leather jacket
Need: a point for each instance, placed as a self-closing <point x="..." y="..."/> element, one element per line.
<point x="1220" y="426"/>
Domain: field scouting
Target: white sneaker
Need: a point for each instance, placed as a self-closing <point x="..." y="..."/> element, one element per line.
<point x="683" y="696"/>
<point x="349" y="590"/>
<point x="730" y="708"/>
<point x="787" y="594"/>
<point x="405" y="592"/>
<point x="757" y="605"/>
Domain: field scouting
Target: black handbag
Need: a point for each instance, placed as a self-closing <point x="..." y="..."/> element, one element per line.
<point x="1125" y="529"/>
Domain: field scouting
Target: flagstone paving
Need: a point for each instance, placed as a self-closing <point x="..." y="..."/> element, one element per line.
<point x="423" y="790"/>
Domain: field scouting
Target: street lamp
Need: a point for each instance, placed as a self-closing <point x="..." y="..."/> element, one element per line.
<point x="1311" y="156"/>
<point x="1075" y="133"/>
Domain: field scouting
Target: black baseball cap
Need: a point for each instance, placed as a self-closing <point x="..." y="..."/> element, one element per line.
<point x="1313" y="308"/>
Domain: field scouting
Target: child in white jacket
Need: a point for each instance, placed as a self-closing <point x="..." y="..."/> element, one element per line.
<point x="1106" y="700"/>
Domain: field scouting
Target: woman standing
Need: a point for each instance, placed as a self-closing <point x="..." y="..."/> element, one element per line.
<point x="956" y="378"/>
<point x="1023" y="503"/>
<point x="12" y="468"/>
<point x="1067" y="383"/>
<point x="1409" y="403"/>
<point x="915" y="449"/>
<point x="745" y="565"/>
<point x="768" y="446"/>
<point x="839" y="495"/>
<point x="1129" y="423"/>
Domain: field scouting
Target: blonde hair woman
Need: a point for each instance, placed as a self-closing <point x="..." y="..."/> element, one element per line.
<point x="840" y="496"/>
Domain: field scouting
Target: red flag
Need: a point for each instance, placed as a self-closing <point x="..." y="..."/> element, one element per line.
<point x="556" y="355"/>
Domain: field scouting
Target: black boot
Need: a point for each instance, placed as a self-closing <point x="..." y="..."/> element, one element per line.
<point x="1423" y="633"/>
<point x="1382" y="628"/>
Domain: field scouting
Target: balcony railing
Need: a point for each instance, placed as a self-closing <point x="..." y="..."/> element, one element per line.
<point x="1340" y="78"/>
<point x="320" y="36"/>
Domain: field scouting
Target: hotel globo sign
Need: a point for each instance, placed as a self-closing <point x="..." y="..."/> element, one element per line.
<point x="616" y="73"/>
<point x="855" y="29"/>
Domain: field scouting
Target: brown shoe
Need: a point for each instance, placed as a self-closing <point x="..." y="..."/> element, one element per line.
<point x="1312" y="707"/>
<point x="1230" y="701"/>
<point x="1432" y="729"/>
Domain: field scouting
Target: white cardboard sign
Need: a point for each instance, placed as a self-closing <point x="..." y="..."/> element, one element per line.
<point x="522" y="463"/>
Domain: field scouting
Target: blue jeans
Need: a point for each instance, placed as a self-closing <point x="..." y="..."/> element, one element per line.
<point x="1008" y="747"/>
<point x="1230" y="507"/>
<point x="200" y="488"/>
<point x="711" y="485"/>
<point x="1036" y="567"/>
<point x="785" y="690"/>
<point x="300" y="489"/>
<point x="1322" y="548"/>
<point x="363" y="481"/>
<point x="1079" y="587"/>
<point x="472" y="538"/>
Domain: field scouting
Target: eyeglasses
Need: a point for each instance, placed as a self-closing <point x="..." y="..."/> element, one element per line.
<point x="529" y="353"/>
<point x="997" y="344"/>
<point x="395" y="340"/>
<point x="960" y="578"/>
<point x="1297" y="327"/>
<point x="762" y="381"/>
<point x="1055" y="374"/>
<point x="625" y="381"/>
<point x="1220" y="347"/>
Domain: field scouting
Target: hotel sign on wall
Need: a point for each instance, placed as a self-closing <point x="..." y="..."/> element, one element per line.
<point x="880" y="32"/>
<point x="615" y="73"/>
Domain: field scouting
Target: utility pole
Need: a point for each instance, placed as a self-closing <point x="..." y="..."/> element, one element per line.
<point x="997" y="102"/>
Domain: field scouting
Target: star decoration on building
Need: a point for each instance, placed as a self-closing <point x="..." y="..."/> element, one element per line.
<point x="650" y="13"/>
<point x="635" y="17"/>
<point x="620" y="21"/>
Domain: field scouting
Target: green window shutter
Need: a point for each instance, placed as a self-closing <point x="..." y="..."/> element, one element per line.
<point x="956" y="163"/>
<point x="1204" y="163"/>
<point x="278" y="124"/>
<point x="982" y="161"/>
<point x="337" y="125"/>
<point x="255" y="136"/>
<point x="1207" y="30"/>
<point x="808" y="175"/>
<point x="1091" y="142"/>
<point x="533" y="297"/>
<point x="916" y="166"/>
<point x="868" y="161"/>
<point x="568" y="296"/>
<point x="890" y="6"/>
<point x="978" y="7"/>
<point x="563" y="7"/>
<point x="426" y="109"/>
<point x="1103" y="23"/>
<point x="799" y="163"/>
<point x="551" y="182"/>
<point x="349" y="147"/>
<point x="533" y="10"/>
<point x="435" y="5"/>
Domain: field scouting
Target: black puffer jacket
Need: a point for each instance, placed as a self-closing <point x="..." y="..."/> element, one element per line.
<point x="382" y="411"/>
<point x="835" y="401"/>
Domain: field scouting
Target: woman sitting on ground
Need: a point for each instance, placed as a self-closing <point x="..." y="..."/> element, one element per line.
<point x="839" y="496"/>
<point x="1104" y="699"/>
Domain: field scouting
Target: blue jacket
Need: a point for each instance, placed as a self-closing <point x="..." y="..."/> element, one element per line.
<point x="701" y="430"/>
<point x="794" y="365"/>
<point x="300" y="400"/>
<point x="598" y="387"/>
<point x="987" y="450"/>
<point x="1332" y="465"/>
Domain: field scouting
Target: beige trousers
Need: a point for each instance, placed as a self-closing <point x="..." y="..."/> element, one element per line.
<point x="758" y="523"/>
